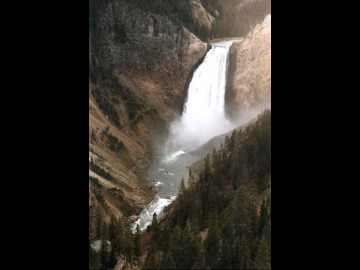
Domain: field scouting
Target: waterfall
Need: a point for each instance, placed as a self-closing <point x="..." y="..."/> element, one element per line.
<point x="204" y="111"/>
<point x="203" y="118"/>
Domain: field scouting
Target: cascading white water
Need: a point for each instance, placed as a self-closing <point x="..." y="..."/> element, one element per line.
<point x="204" y="111"/>
<point x="203" y="118"/>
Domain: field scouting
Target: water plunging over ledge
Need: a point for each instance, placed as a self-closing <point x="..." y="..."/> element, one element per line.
<point x="203" y="118"/>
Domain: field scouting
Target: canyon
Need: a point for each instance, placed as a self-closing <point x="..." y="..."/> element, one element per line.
<point x="152" y="60"/>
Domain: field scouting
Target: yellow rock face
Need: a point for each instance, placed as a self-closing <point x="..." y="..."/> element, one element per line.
<point x="251" y="77"/>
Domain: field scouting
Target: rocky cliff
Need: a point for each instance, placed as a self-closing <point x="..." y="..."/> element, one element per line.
<point x="139" y="65"/>
<point x="249" y="76"/>
<point x="146" y="51"/>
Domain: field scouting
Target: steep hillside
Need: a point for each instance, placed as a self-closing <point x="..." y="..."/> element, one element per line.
<point x="223" y="219"/>
<point x="119" y="153"/>
<point x="249" y="75"/>
<point x="139" y="65"/>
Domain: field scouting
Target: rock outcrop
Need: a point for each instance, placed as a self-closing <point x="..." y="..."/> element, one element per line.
<point x="249" y="76"/>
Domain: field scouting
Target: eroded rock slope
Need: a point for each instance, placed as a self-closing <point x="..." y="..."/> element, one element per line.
<point x="249" y="81"/>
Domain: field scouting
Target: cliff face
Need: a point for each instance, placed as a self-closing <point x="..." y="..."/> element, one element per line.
<point x="147" y="52"/>
<point x="249" y="82"/>
<point x="139" y="65"/>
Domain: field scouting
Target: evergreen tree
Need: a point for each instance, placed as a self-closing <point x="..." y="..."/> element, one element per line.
<point x="224" y="201"/>
<point x="182" y="186"/>
<point x="93" y="136"/>
<point x="112" y="258"/>
<point x="212" y="245"/>
<point x="112" y="232"/>
<point x="97" y="262"/>
<point x="128" y="244"/>
<point x="155" y="229"/>
<point x="168" y="261"/>
<point x="137" y="241"/>
<point x="263" y="256"/>
<point x="245" y="253"/>
<point x="99" y="225"/>
<point x="264" y="216"/>
<point x="104" y="254"/>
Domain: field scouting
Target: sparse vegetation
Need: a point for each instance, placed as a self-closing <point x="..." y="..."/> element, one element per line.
<point x="106" y="106"/>
<point x="113" y="143"/>
<point x="98" y="170"/>
<point x="95" y="181"/>
<point x="93" y="136"/>
<point x="133" y="104"/>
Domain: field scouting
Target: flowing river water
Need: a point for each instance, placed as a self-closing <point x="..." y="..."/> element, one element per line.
<point x="203" y="118"/>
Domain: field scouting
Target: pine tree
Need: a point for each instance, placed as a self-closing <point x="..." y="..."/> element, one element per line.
<point x="92" y="232"/>
<point x="112" y="232"/>
<point x="155" y="229"/>
<point x="182" y="186"/>
<point x="128" y="245"/>
<point x="112" y="258"/>
<point x="263" y="256"/>
<point x="212" y="245"/>
<point x="234" y="160"/>
<point x="190" y="177"/>
<point x="93" y="136"/>
<point x="104" y="254"/>
<point x="168" y="261"/>
<point x="244" y="253"/>
<point x="227" y="257"/>
<point x="137" y="241"/>
<point x="264" y="216"/>
<point x="97" y="262"/>
<point x="99" y="224"/>
<point x="217" y="168"/>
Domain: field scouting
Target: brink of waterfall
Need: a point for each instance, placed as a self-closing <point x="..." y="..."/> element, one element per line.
<point x="204" y="111"/>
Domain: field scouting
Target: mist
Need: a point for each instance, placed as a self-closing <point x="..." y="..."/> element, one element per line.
<point x="204" y="112"/>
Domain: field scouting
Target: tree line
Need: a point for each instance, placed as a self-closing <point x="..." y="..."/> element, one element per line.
<point x="223" y="219"/>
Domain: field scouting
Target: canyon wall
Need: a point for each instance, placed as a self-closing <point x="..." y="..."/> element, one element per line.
<point x="249" y="76"/>
<point x="139" y="65"/>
